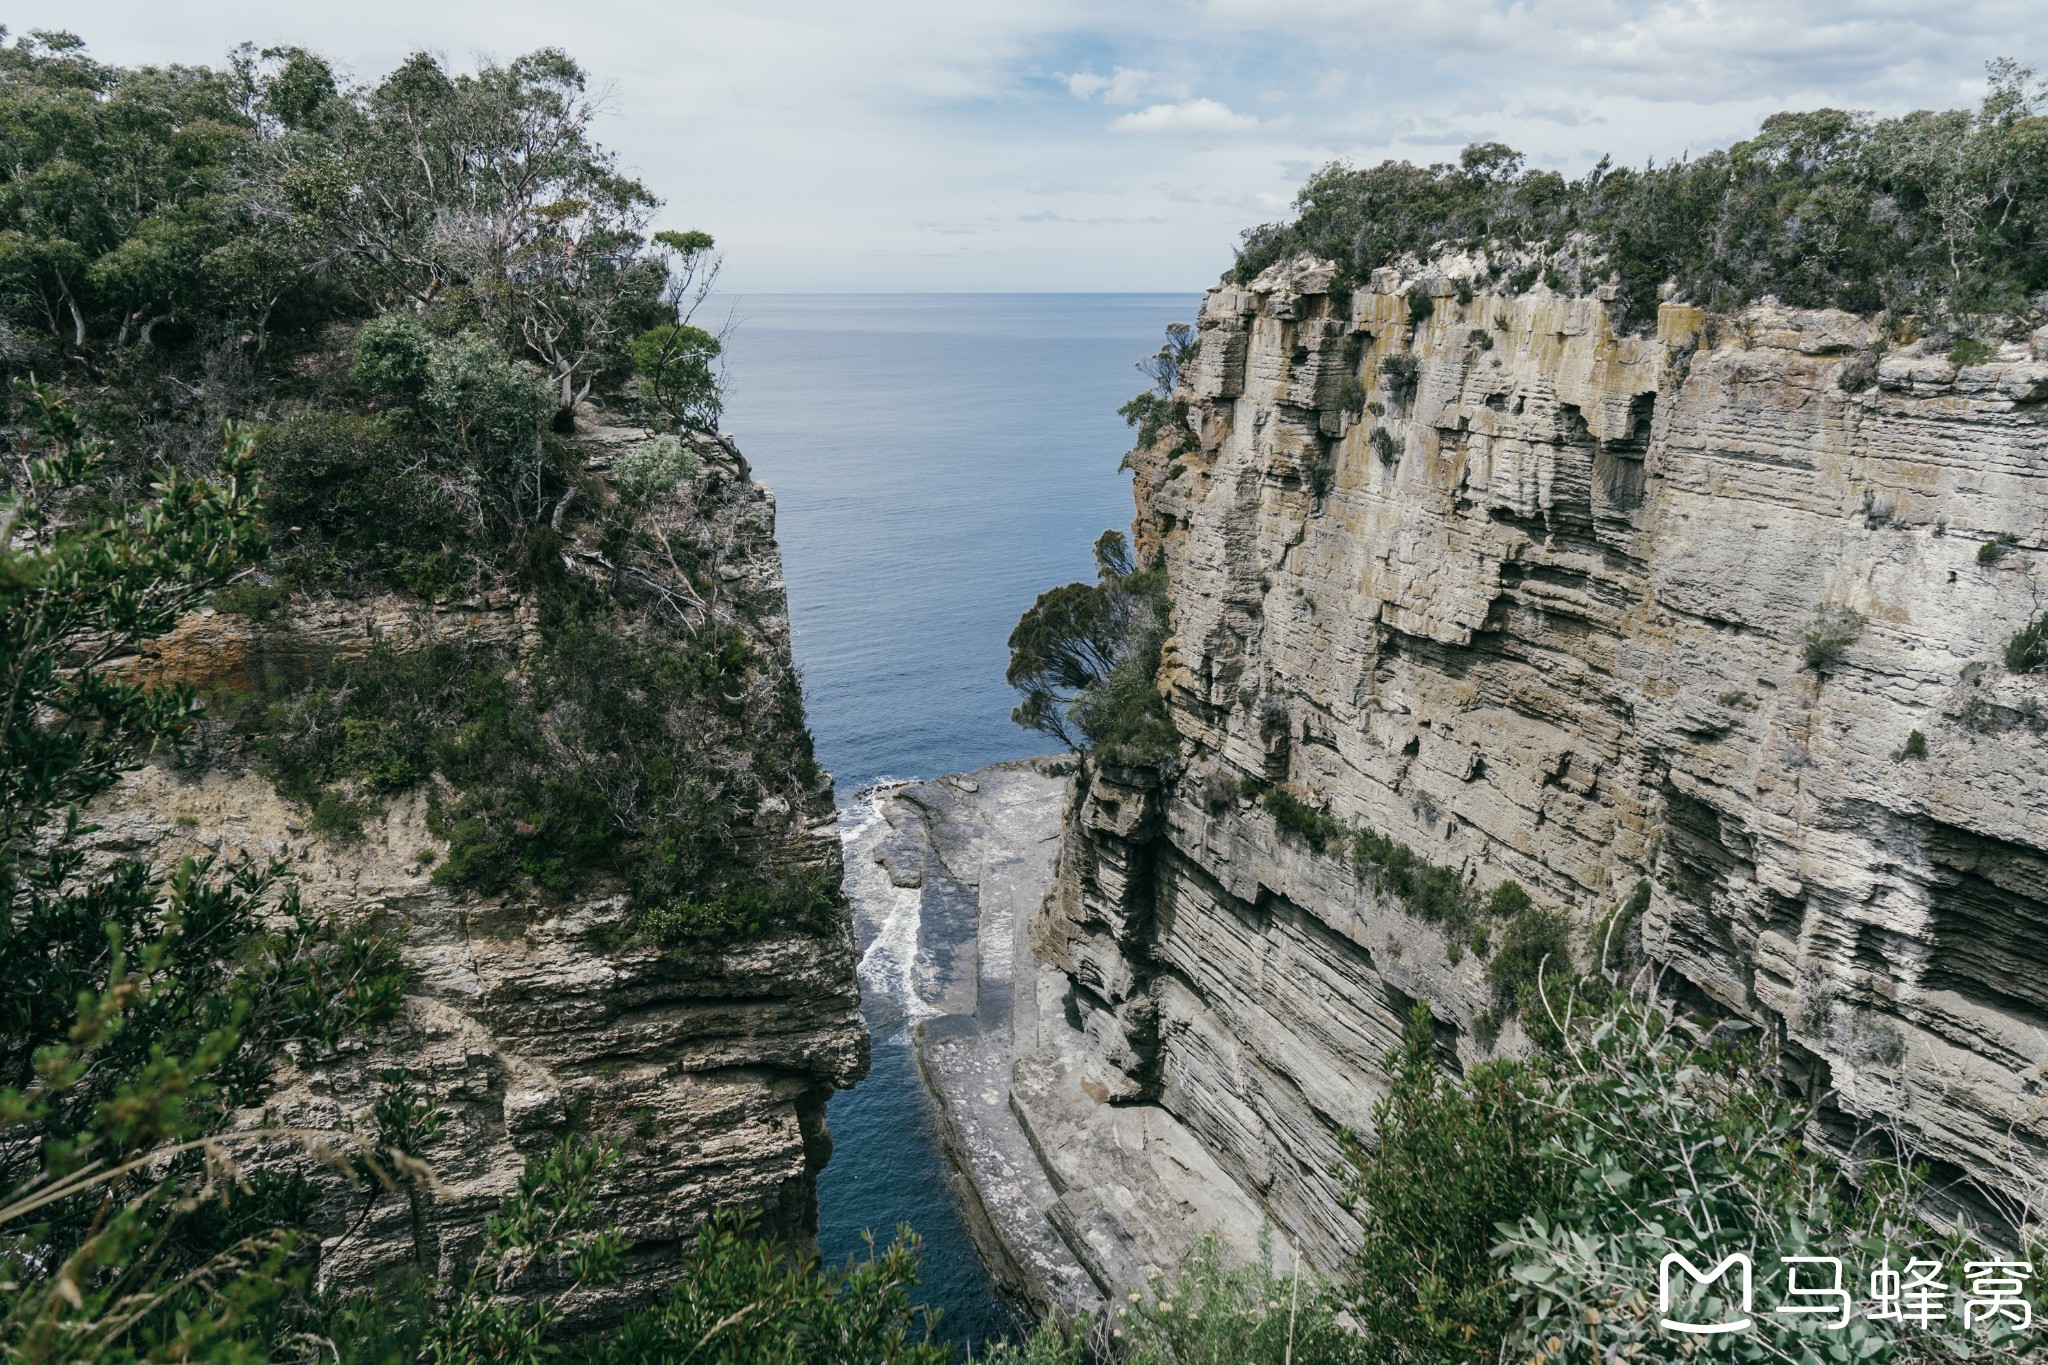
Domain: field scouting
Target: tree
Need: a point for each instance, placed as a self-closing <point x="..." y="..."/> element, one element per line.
<point x="1086" y="657"/>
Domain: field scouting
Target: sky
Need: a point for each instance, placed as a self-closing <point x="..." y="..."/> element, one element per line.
<point x="1105" y="145"/>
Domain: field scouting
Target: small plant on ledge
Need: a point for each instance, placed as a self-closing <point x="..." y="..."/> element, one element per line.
<point x="1828" y="637"/>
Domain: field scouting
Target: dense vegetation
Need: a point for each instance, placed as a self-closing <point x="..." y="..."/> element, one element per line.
<point x="412" y="286"/>
<point x="1086" y="657"/>
<point x="1940" y="213"/>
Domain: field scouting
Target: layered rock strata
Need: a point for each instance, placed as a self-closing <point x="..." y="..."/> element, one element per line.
<point x="531" y="1017"/>
<point x="1710" y="609"/>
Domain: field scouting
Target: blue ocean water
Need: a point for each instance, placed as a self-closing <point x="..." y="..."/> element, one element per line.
<point x="938" y="460"/>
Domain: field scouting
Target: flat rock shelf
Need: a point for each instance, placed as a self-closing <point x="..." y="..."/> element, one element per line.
<point x="1069" y="1196"/>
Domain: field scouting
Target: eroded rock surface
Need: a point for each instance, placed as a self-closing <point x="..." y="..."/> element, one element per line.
<point x="532" y="1017"/>
<point x="1539" y="608"/>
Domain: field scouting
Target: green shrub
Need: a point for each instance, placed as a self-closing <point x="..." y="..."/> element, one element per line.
<point x="674" y="362"/>
<point x="1313" y="825"/>
<point x="741" y="1298"/>
<point x="1210" y="1311"/>
<point x="1401" y="372"/>
<point x="1996" y="548"/>
<point x="256" y="601"/>
<point x="360" y="499"/>
<point x="1447" y="1164"/>
<point x="1086" y="656"/>
<point x="391" y="357"/>
<point x="1915" y="747"/>
<point x="1383" y="445"/>
<point x="1826" y="639"/>
<point x="1535" y="948"/>
<point x="653" y="468"/>
<point x="1508" y="900"/>
<point x="1666" y="1144"/>
<point x="1420" y="305"/>
<point x="1969" y="351"/>
<point x="742" y="910"/>
<point x="1431" y="892"/>
<point x="1525" y="1211"/>
<point x="2027" y="650"/>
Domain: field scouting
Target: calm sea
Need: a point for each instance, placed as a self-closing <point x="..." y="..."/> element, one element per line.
<point x="938" y="461"/>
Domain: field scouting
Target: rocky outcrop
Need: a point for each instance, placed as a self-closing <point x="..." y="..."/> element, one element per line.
<point x="530" y="1017"/>
<point x="1710" y="608"/>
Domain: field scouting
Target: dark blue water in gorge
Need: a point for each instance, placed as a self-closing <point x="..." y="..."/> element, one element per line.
<point x="938" y="460"/>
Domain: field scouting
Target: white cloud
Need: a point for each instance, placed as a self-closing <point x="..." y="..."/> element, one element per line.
<point x="1124" y="85"/>
<point x="1188" y="118"/>
<point x="1085" y="84"/>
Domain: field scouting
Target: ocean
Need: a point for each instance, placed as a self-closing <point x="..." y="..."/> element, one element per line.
<point x="938" y="460"/>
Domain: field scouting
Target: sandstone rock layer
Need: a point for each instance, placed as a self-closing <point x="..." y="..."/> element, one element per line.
<point x="1473" y="571"/>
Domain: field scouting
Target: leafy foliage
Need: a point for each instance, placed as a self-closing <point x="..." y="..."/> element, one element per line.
<point x="743" y="1300"/>
<point x="1524" y="1211"/>
<point x="1826" y="639"/>
<point x="1930" y="211"/>
<point x="1451" y="1161"/>
<point x="1313" y="825"/>
<point x="1086" y="657"/>
<point x="2027" y="650"/>
<point x="1209" y="1312"/>
<point x="136" y="1010"/>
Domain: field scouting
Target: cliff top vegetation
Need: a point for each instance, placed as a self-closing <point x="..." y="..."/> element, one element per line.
<point x="1944" y="213"/>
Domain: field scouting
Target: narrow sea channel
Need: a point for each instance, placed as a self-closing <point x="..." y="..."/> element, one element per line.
<point x="938" y="460"/>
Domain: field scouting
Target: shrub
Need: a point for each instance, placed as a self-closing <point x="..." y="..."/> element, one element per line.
<point x="1431" y="892"/>
<point x="1915" y="747"/>
<point x="1447" y="1164"/>
<point x="1420" y="305"/>
<point x="1814" y="208"/>
<point x="1086" y="656"/>
<point x="1400" y="372"/>
<point x="391" y="357"/>
<point x="1524" y="1212"/>
<point x="1313" y="825"/>
<point x="1536" y="947"/>
<point x="1667" y="1144"/>
<point x="2027" y="650"/>
<point x="256" y="601"/>
<point x="362" y="498"/>
<point x="1968" y="351"/>
<point x="1995" y="549"/>
<point x="1827" y="638"/>
<point x="742" y="1297"/>
<point x="653" y="468"/>
<point x="674" y="362"/>
<point x="1383" y="445"/>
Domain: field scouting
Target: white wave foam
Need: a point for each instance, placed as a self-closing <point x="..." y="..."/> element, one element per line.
<point x="892" y="913"/>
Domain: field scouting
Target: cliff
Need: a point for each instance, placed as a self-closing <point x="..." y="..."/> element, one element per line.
<point x="1711" y="609"/>
<point x="537" y="1011"/>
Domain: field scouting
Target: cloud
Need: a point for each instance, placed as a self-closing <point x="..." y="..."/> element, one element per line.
<point x="1048" y="216"/>
<point x="1188" y="118"/>
<point x="1123" y="85"/>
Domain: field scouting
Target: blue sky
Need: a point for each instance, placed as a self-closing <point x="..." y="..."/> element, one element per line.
<point x="1115" y="144"/>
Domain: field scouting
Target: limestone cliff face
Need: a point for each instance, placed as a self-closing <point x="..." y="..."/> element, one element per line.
<point x="531" y="1017"/>
<point x="1550" y="627"/>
